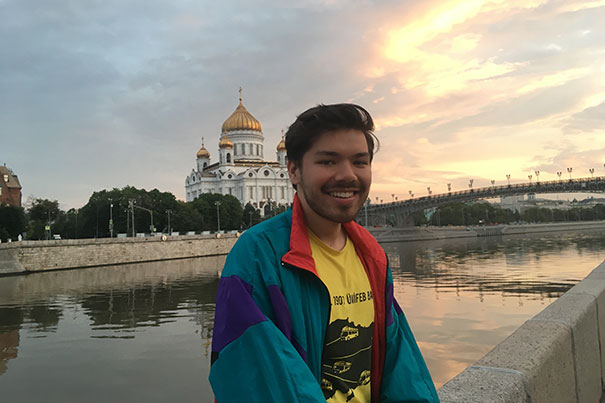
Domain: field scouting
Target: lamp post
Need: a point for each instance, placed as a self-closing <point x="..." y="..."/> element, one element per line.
<point x="218" y="215"/>
<point x="428" y="188"/>
<point x="530" y="176"/>
<point x="393" y="196"/>
<point x="537" y="176"/>
<point x="569" y="172"/>
<point x="493" y="181"/>
<point x="449" y="188"/>
<point x="559" y="173"/>
<point x="169" y="229"/>
<point x="591" y="170"/>
<point x="508" y="179"/>
<point x="411" y="194"/>
<point x="470" y="183"/>
<point x="110" y="217"/>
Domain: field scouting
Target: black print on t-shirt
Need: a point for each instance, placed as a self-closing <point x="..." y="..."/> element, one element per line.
<point x="352" y="298"/>
<point x="347" y="358"/>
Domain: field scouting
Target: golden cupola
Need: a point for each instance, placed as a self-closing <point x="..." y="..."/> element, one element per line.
<point x="203" y="153"/>
<point x="282" y="145"/>
<point x="241" y="119"/>
<point x="225" y="142"/>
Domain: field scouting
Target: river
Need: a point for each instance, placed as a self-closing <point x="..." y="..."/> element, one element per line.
<point x="142" y="332"/>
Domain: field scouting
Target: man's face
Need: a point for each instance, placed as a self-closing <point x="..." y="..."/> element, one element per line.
<point x="334" y="177"/>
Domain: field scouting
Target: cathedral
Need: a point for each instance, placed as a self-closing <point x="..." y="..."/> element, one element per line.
<point x="241" y="169"/>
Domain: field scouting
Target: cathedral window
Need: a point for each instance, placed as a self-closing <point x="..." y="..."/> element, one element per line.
<point x="257" y="150"/>
<point x="283" y="192"/>
<point x="228" y="158"/>
<point x="251" y="153"/>
<point x="251" y="188"/>
<point x="266" y="172"/>
<point x="250" y="175"/>
<point x="205" y="165"/>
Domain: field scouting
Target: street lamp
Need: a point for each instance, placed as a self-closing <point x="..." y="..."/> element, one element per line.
<point x="537" y="176"/>
<point x="110" y="217"/>
<point x="429" y="190"/>
<point x="449" y="188"/>
<point x="393" y="196"/>
<point x="508" y="179"/>
<point x="411" y="194"/>
<point x="559" y="173"/>
<point x="530" y="176"/>
<point x="470" y="183"/>
<point x="569" y="171"/>
<point x="169" y="229"/>
<point x="591" y="170"/>
<point x="218" y="215"/>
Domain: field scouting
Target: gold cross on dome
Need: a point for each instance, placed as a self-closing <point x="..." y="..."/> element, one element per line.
<point x="240" y="94"/>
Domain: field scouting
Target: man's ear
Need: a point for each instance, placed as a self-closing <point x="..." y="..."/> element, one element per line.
<point x="293" y="172"/>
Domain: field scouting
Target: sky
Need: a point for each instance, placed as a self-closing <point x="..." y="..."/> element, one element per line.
<point x="102" y="94"/>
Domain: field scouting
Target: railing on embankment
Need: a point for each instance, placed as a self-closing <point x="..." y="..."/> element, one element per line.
<point x="31" y="256"/>
<point x="554" y="357"/>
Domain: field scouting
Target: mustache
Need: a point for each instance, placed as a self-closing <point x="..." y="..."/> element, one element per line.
<point x="339" y="185"/>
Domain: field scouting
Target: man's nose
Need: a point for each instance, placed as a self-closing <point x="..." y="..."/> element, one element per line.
<point x="346" y="172"/>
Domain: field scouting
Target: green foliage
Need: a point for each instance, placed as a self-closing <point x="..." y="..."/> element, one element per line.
<point x="12" y="222"/>
<point x="251" y="216"/>
<point x="43" y="212"/>
<point x="230" y="211"/>
<point x="472" y="214"/>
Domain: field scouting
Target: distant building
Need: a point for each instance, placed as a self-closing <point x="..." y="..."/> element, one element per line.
<point x="241" y="170"/>
<point x="10" y="188"/>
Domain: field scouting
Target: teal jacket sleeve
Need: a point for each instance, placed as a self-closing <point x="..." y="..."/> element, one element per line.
<point x="406" y="377"/>
<point x="254" y="358"/>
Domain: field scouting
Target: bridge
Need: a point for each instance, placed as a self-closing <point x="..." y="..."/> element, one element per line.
<point x="399" y="211"/>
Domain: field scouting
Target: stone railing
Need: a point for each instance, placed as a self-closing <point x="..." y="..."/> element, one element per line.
<point x="553" y="357"/>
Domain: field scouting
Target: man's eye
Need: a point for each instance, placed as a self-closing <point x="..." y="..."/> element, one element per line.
<point x="361" y="163"/>
<point x="326" y="162"/>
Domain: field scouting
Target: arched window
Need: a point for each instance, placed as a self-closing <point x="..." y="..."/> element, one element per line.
<point x="205" y="164"/>
<point x="228" y="158"/>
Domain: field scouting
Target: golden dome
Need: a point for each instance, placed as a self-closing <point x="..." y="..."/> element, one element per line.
<point x="225" y="142"/>
<point x="282" y="145"/>
<point x="241" y="119"/>
<point x="203" y="153"/>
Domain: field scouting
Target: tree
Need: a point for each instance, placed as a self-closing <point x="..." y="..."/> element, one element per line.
<point x="230" y="211"/>
<point x="12" y="222"/>
<point x="251" y="216"/>
<point x="43" y="212"/>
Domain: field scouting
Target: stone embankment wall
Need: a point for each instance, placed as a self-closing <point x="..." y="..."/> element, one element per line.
<point x="431" y="233"/>
<point x="554" y="357"/>
<point x="32" y="256"/>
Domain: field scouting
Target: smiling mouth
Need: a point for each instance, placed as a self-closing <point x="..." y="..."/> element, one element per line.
<point x="342" y="195"/>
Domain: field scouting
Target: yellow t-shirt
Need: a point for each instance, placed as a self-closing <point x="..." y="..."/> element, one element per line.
<point x="347" y="355"/>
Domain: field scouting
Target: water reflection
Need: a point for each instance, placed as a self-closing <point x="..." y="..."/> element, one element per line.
<point x="463" y="296"/>
<point x="57" y="326"/>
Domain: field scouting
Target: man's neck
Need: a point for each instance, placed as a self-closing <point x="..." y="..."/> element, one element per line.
<point x="329" y="232"/>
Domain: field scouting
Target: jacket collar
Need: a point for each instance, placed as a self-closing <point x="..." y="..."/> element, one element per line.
<point x="300" y="254"/>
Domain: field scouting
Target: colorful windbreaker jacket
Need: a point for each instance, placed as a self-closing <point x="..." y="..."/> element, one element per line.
<point x="271" y="315"/>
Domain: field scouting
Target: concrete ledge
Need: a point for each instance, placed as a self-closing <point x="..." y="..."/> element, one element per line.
<point x="555" y="356"/>
<point x="485" y="385"/>
<point x="33" y="256"/>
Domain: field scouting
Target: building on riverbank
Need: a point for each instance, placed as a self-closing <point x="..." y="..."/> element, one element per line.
<point x="241" y="170"/>
<point x="10" y="188"/>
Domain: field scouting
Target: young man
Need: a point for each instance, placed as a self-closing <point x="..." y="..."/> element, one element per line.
<point x="305" y="309"/>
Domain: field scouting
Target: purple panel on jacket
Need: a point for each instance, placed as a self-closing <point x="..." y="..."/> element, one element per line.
<point x="390" y="299"/>
<point x="235" y="312"/>
<point x="283" y="320"/>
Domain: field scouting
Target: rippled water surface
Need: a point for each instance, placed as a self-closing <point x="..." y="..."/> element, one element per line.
<point x="142" y="332"/>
